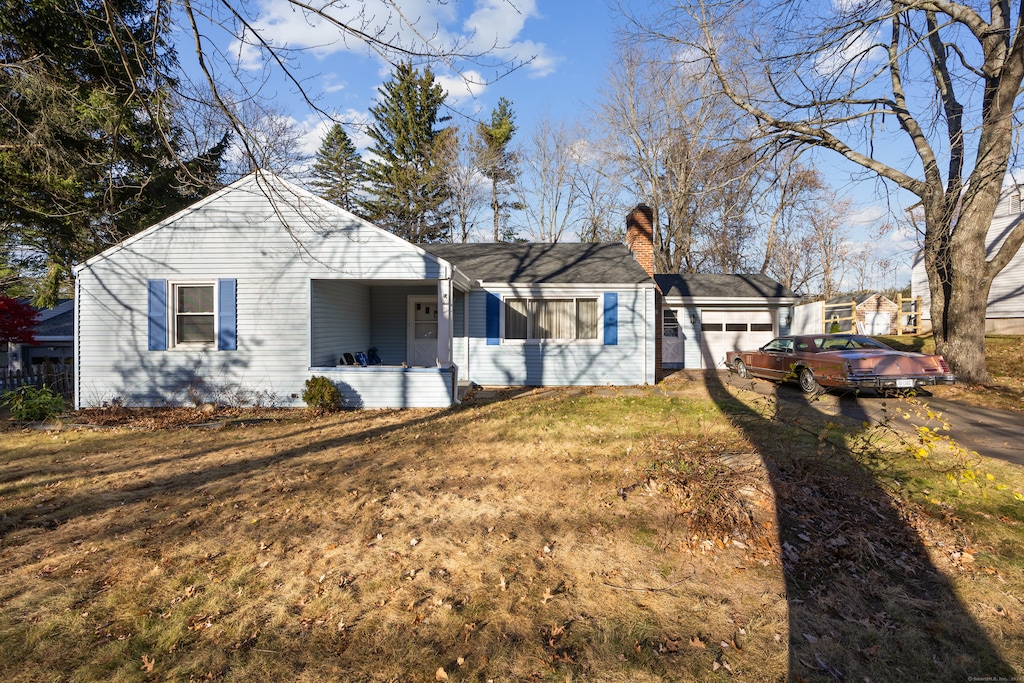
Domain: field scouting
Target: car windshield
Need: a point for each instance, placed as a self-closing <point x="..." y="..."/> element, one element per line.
<point x="779" y="345"/>
<point x="846" y="341"/>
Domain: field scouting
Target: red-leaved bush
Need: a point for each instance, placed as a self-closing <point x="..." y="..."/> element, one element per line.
<point x="17" y="321"/>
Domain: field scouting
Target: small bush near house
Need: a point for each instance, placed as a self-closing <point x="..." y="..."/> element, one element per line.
<point x="321" y="395"/>
<point x="30" y="403"/>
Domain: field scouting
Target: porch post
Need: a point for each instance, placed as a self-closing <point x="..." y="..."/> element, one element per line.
<point x="444" y="322"/>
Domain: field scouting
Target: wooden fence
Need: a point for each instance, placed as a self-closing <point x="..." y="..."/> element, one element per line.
<point x="842" y="317"/>
<point x="839" y="317"/>
<point x="909" y="311"/>
<point x="60" y="378"/>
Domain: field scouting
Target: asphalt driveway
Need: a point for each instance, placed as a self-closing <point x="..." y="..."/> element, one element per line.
<point x="990" y="432"/>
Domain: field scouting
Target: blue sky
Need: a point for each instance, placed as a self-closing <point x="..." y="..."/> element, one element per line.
<point x="571" y="43"/>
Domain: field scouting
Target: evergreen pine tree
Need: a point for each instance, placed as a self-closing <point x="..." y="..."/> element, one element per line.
<point x="90" y="148"/>
<point x="496" y="161"/>
<point x="407" y="188"/>
<point x="338" y="172"/>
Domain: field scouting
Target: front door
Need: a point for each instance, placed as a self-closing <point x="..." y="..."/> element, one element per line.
<point x="672" y="342"/>
<point x="422" y="336"/>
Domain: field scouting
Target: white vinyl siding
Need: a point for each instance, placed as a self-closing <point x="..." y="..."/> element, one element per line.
<point x="240" y="234"/>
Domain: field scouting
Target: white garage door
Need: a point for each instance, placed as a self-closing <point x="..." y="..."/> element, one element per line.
<point x="725" y="331"/>
<point x="877" y="322"/>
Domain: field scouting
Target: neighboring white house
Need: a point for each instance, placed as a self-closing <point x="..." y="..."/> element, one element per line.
<point x="54" y="334"/>
<point x="245" y="295"/>
<point x="1005" y="312"/>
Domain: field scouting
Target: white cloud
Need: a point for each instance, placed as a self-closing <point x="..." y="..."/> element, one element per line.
<point x="332" y="84"/>
<point x="868" y="215"/>
<point x="284" y="25"/>
<point x="500" y="21"/>
<point x="858" y="51"/>
<point x="497" y="24"/>
<point x="542" y="63"/>
<point x="461" y="88"/>
<point x="421" y="25"/>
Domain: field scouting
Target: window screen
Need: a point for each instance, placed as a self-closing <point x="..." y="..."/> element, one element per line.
<point x="193" y="314"/>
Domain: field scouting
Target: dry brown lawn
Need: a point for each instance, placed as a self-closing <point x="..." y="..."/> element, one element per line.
<point x="671" y="533"/>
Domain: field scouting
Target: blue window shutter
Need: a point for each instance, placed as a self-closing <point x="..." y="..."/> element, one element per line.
<point x="157" y="315"/>
<point x="611" y="318"/>
<point x="227" y="338"/>
<point x="493" y="319"/>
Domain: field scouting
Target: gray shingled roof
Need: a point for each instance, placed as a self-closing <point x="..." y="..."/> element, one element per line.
<point x="58" y="321"/>
<point x="60" y="325"/>
<point x="564" y="263"/>
<point x="848" y="299"/>
<point x="721" y="286"/>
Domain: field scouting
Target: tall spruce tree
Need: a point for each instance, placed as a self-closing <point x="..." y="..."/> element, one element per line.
<point x="407" y="188"/>
<point x="338" y="172"/>
<point x="90" y="153"/>
<point x="496" y="161"/>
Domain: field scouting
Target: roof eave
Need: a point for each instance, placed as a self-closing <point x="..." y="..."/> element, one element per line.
<point x="744" y="300"/>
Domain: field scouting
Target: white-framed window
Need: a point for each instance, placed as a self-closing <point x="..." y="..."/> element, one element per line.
<point x="561" y="318"/>
<point x="192" y="313"/>
<point x="669" y="323"/>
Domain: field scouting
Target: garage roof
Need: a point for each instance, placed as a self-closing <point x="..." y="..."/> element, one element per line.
<point x="717" y="286"/>
<point x="563" y="263"/>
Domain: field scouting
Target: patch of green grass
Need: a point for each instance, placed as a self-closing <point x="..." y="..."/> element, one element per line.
<point x="1005" y="356"/>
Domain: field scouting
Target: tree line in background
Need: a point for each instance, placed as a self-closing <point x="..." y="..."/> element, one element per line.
<point x="659" y="134"/>
<point x="92" y="154"/>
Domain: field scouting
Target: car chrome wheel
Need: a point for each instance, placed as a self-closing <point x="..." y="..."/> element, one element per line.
<point x="807" y="382"/>
<point x="741" y="369"/>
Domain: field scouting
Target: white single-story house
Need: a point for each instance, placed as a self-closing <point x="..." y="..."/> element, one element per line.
<point x="1005" y="311"/>
<point x="248" y="293"/>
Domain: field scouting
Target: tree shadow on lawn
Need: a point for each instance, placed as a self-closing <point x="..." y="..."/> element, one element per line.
<point x="177" y="481"/>
<point x="865" y="602"/>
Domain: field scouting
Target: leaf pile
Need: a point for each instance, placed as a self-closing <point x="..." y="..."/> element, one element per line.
<point x="722" y="496"/>
<point x="208" y="415"/>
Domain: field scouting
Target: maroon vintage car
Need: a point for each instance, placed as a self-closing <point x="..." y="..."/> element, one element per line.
<point x="840" y="360"/>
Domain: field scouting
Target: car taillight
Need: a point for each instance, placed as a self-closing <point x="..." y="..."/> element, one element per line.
<point x="942" y="364"/>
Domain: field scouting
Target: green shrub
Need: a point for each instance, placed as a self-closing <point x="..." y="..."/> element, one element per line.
<point x="29" y="403"/>
<point x="321" y="395"/>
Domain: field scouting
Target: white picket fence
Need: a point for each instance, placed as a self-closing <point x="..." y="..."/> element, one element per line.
<point x="60" y="378"/>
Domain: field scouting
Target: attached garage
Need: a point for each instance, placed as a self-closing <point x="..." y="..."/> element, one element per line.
<point x="705" y="316"/>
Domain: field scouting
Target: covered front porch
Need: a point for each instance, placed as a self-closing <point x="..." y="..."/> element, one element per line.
<point x="408" y="325"/>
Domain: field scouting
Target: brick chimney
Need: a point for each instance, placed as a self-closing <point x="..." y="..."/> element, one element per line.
<point x="640" y="236"/>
